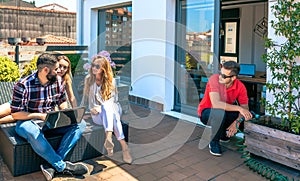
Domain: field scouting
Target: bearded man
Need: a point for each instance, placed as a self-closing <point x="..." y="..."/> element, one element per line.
<point x="33" y="97"/>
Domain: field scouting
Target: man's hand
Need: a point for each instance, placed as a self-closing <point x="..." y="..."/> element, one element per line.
<point x="232" y="130"/>
<point x="42" y="116"/>
<point x="245" y="113"/>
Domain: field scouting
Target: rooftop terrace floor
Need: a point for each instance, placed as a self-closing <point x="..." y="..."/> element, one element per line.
<point x="164" y="148"/>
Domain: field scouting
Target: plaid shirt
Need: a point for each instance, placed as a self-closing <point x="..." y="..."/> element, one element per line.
<point x="29" y="95"/>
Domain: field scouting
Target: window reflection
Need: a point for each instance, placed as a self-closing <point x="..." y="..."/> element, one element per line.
<point x="115" y="37"/>
<point x="195" y="48"/>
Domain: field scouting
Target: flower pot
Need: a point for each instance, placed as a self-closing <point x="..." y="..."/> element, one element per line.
<point x="13" y="40"/>
<point x="41" y="41"/>
<point x="25" y="39"/>
<point x="273" y="144"/>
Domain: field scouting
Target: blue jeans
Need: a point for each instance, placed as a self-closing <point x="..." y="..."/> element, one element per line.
<point x="35" y="136"/>
<point x="219" y="120"/>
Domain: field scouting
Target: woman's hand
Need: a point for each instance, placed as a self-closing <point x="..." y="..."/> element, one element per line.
<point x="96" y="110"/>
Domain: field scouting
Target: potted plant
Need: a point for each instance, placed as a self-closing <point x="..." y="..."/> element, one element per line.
<point x="280" y="140"/>
<point x="41" y="41"/>
<point x="13" y="40"/>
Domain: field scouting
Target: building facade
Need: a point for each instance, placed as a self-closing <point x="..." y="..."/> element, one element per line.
<point x="34" y="22"/>
<point x="176" y="44"/>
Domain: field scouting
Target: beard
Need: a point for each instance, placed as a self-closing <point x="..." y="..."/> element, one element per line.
<point x="51" y="78"/>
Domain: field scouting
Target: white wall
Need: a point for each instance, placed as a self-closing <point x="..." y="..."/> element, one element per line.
<point x="153" y="51"/>
<point x="153" y="33"/>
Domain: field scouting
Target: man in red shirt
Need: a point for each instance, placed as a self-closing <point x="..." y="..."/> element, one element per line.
<point x="217" y="109"/>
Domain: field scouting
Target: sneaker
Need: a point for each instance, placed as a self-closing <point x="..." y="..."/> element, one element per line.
<point x="215" y="148"/>
<point x="224" y="139"/>
<point x="48" y="172"/>
<point x="75" y="168"/>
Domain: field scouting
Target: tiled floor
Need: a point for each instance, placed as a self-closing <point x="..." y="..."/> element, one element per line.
<point x="164" y="148"/>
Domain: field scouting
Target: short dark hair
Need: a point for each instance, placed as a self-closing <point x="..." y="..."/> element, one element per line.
<point x="233" y="66"/>
<point x="46" y="59"/>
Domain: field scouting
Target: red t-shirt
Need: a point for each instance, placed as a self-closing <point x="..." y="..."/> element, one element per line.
<point x="237" y="91"/>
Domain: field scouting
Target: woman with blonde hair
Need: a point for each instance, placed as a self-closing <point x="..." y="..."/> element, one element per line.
<point x="65" y="67"/>
<point x="65" y="73"/>
<point x="101" y="94"/>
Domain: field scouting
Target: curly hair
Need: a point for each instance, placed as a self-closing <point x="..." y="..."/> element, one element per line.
<point x="106" y="78"/>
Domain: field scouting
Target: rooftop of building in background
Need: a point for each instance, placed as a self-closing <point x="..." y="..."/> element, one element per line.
<point x="24" y="4"/>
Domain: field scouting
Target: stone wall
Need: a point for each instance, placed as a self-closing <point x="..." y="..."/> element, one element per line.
<point x="34" y="22"/>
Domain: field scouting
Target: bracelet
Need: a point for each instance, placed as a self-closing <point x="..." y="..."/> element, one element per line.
<point x="238" y="123"/>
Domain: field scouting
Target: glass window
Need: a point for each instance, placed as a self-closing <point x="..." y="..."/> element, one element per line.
<point x="194" y="43"/>
<point x="115" y="37"/>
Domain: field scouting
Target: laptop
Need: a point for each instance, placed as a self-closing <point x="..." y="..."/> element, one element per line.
<point x="65" y="117"/>
<point x="247" y="70"/>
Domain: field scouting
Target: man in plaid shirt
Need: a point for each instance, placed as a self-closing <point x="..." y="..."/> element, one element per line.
<point x="33" y="97"/>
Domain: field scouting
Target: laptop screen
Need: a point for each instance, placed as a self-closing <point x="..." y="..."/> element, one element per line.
<point x="66" y="117"/>
<point x="247" y="69"/>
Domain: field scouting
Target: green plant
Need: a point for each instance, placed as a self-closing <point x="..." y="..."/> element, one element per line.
<point x="283" y="63"/>
<point x="190" y="61"/>
<point x="76" y="63"/>
<point x="9" y="70"/>
<point x="29" y="67"/>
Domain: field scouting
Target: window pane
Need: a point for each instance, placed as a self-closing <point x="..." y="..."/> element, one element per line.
<point x="115" y="37"/>
<point x="195" y="49"/>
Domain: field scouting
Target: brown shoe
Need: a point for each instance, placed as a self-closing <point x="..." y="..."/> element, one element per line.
<point x="127" y="157"/>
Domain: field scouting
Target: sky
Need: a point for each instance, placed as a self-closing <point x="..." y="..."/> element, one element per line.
<point x="70" y="4"/>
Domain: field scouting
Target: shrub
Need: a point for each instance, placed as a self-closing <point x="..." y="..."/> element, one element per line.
<point x="283" y="62"/>
<point x="29" y="67"/>
<point x="9" y="70"/>
<point x="76" y="63"/>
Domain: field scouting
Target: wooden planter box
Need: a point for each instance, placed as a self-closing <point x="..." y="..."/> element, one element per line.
<point x="273" y="144"/>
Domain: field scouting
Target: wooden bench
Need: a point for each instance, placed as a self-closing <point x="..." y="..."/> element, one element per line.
<point x="20" y="158"/>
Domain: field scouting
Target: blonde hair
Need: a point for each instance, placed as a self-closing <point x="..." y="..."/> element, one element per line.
<point x="67" y="77"/>
<point x="106" y="80"/>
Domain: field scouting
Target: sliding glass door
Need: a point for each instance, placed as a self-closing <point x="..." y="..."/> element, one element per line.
<point x="197" y="42"/>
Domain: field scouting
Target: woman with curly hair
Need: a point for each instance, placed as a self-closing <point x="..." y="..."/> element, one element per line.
<point x="100" y="94"/>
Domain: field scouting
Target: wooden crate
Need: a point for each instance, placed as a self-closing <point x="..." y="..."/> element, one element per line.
<point x="273" y="144"/>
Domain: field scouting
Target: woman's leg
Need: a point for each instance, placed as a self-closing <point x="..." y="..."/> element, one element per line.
<point x="106" y="117"/>
<point x="118" y="130"/>
<point x="108" y="144"/>
<point x="126" y="154"/>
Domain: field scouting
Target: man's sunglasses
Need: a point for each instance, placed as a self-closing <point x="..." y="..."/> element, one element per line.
<point x="96" y="66"/>
<point x="226" y="76"/>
